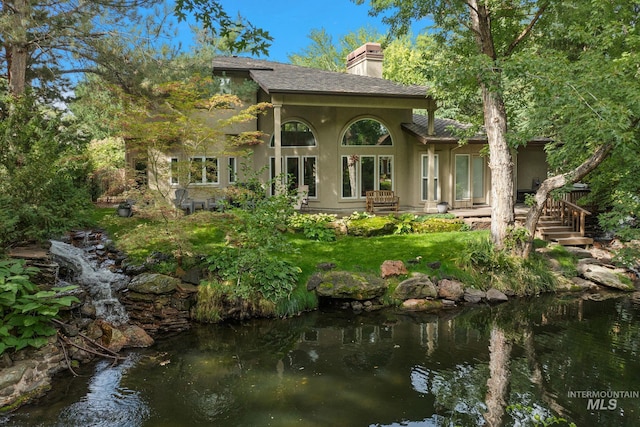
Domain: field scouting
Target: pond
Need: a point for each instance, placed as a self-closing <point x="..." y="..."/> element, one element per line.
<point x="547" y="357"/>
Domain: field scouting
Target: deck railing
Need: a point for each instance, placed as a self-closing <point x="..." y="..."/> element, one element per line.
<point x="568" y="213"/>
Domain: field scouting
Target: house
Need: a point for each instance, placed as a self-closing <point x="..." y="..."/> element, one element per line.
<point x="341" y="134"/>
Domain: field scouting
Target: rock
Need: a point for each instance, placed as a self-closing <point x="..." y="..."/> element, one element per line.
<point x="346" y="285"/>
<point x="392" y="268"/>
<point x="583" y="283"/>
<point x="326" y="266"/>
<point x="605" y="276"/>
<point x="116" y="338"/>
<point x="419" y="286"/>
<point x="434" y="265"/>
<point x="494" y="295"/>
<point x="152" y="283"/>
<point x="448" y="303"/>
<point x="357" y="306"/>
<point x="421" y="305"/>
<point x="579" y="252"/>
<point x="450" y="289"/>
<point x="474" y="296"/>
<point x="194" y="275"/>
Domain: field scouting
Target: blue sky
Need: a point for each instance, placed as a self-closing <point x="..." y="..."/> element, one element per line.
<point x="290" y="22"/>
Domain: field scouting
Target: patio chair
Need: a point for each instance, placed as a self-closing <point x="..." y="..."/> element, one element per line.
<point x="182" y="200"/>
<point x="302" y="199"/>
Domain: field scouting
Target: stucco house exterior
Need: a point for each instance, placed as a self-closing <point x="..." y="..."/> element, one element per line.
<point x="341" y="134"/>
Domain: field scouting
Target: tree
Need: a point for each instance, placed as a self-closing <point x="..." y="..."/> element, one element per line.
<point x="499" y="52"/>
<point x="44" y="42"/>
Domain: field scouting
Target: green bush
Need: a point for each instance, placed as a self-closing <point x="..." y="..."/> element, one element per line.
<point x="438" y="225"/>
<point x="314" y="226"/>
<point x="371" y="226"/>
<point x="27" y="311"/>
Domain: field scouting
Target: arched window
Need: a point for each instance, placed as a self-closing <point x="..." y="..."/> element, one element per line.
<point x="367" y="132"/>
<point x="295" y="134"/>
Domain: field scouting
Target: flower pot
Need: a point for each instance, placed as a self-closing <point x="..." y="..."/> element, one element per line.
<point x="124" y="212"/>
<point x="442" y="207"/>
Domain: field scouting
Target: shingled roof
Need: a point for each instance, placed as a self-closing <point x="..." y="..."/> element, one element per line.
<point x="445" y="130"/>
<point x="276" y="77"/>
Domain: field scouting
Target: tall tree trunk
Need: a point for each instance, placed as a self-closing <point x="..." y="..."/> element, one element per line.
<point x="555" y="182"/>
<point x="495" y="122"/>
<point x="16" y="44"/>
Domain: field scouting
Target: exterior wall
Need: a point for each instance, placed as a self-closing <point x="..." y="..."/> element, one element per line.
<point x="328" y="118"/>
<point x="328" y="125"/>
<point x="531" y="165"/>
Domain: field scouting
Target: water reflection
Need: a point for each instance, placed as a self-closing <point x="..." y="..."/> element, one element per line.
<point x="378" y="369"/>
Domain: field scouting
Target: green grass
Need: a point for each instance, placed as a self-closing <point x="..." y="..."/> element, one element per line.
<point x="367" y="254"/>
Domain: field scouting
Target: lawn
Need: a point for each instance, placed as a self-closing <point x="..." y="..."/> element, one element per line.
<point x="203" y="233"/>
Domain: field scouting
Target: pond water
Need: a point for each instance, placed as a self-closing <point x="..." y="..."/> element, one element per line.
<point x="565" y="357"/>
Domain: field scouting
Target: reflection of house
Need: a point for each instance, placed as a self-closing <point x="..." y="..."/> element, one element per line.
<point x="342" y="134"/>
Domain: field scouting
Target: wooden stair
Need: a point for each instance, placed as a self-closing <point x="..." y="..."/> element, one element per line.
<point x="553" y="229"/>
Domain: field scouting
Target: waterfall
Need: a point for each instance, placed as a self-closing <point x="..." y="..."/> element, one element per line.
<point x="98" y="282"/>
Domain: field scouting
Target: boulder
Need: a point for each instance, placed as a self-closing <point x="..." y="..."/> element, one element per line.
<point x="392" y="268"/>
<point x="346" y="285"/>
<point x="153" y="283"/>
<point x="494" y="295"/>
<point x="450" y="289"/>
<point x="606" y="276"/>
<point x="415" y="304"/>
<point x="474" y="296"/>
<point x="419" y="286"/>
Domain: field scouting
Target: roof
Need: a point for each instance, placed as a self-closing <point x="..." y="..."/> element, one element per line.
<point x="446" y="130"/>
<point x="276" y="77"/>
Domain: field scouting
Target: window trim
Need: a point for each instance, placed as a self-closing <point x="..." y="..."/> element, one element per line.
<point x="203" y="178"/>
<point x="351" y="123"/>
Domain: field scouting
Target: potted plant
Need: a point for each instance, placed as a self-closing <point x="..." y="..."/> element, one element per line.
<point x="442" y="207"/>
<point x="124" y="209"/>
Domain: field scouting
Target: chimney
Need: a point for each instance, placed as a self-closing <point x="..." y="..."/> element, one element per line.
<point x="366" y="60"/>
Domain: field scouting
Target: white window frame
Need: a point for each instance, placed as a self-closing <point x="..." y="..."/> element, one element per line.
<point x="203" y="177"/>
<point x="357" y="192"/>
<point x="429" y="183"/>
<point x="232" y="169"/>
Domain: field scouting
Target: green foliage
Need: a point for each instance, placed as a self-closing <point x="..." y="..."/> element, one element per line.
<point x="314" y="226"/>
<point x="43" y="174"/>
<point x="487" y="267"/>
<point x="251" y="258"/>
<point x="254" y="273"/>
<point x="567" y="261"/>
<point x="628" y="256"/>
<point x="27" y="311"/>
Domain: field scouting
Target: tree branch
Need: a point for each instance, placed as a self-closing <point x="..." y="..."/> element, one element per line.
<point x="527" y="30"/>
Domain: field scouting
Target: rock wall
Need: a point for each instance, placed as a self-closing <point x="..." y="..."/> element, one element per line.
<point x="28" y="374"/>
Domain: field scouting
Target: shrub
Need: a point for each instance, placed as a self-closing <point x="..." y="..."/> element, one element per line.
<point x="438" y="225"/>
<point x="26" y="310"/>
<point x="314" y="226"/>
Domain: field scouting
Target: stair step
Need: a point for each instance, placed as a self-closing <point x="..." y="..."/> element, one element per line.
<point x="575" y="241"/>
<point x="552" y="235"/>
<point x="552" y="228"/>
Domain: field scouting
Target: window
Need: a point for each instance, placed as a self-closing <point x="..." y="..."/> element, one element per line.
<point x="430" y="190"/>
<point x="295" y="134"/>
<point x="203" y="170"/>
<point x="462" y="177"/>
<point x="364" y="173"/>
<point x="175" y="171"/>
<point x="300" y="170"/>
<point x="367" y="132"/>
<point x="232" y="169"/>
